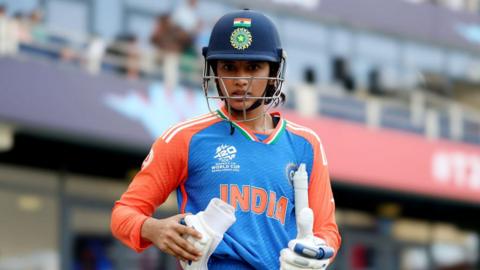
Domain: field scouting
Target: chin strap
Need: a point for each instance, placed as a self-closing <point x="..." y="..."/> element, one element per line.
<point x="232" y="128"/>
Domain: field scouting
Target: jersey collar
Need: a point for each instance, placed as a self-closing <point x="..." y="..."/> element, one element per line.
<point x="248" y="133"/>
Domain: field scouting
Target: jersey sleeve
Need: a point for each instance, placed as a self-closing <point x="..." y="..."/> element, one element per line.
<point x="321" y="199"/>
<point x="164" y="169"/>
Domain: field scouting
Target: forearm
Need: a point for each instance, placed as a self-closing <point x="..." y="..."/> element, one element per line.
<point x="127" y="224"/>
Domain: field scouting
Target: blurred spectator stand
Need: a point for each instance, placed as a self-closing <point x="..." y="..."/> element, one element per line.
<point x="171" y="41"/>
<point x="9" y="34"/>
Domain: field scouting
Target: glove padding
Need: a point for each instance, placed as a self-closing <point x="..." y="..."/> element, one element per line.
<point x="289" y="260"/>
<point x="306" y="251"/>
<point x="212" y="224"/>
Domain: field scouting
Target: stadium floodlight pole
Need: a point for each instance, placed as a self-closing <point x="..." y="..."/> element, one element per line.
<point x="305" y="244"/>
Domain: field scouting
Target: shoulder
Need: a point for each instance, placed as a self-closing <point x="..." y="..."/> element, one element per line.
<point x="310" y="136"/>
<point x="186" y="129"/>
<point x="304" y="132"/>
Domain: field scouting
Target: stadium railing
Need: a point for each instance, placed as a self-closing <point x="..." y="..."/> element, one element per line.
<point x="418" y="112"/>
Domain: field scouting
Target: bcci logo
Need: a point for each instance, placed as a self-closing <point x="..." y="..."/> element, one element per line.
<point x="290" y="170"/>
<point x="225" y="154"/>
<point x="241" y="39"/>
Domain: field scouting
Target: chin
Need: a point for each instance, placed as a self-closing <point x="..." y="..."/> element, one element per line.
<point x="239" y="106"/>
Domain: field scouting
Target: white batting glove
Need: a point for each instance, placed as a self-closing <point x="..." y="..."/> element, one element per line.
<point x="306" y="251"/>
<point x="289" y="260"/>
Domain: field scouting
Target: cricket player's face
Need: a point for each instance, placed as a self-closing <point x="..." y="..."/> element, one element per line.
<point x="243" y="81"/>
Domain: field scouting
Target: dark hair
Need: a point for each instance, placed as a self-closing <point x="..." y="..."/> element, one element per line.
<point x="270" y="91"/>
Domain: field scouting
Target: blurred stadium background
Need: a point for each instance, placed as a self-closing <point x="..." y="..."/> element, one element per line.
<point x="392" y="87"/>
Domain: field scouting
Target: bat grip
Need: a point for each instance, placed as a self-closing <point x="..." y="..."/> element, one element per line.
<point x="319" y="253"/>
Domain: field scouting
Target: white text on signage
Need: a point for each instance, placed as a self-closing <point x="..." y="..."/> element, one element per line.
<point x="462" y="170"/>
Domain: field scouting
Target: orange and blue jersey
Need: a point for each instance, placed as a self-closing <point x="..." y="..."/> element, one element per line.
<point x="213" y="156"/>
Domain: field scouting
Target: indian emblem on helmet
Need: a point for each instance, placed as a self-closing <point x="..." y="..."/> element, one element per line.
<point x="241" y="39"/>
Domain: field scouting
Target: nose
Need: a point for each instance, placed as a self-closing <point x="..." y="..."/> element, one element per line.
<point x="242" y="79"/>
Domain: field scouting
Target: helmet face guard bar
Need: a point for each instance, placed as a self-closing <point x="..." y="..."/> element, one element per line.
<point x="222" y="93"/>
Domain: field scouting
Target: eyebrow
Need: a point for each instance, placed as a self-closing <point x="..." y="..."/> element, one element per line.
<point x="255" y="62"/>
<point x="248" y="62"/>
<point x="225" y="61"/>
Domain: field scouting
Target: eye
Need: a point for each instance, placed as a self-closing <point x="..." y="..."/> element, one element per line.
<point x="254" y="67"/>
<point x="228" y="67"/>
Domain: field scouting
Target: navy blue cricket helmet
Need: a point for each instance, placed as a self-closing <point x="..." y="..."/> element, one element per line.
<point x="251" y="36"/>
<point x="244" y="35"/>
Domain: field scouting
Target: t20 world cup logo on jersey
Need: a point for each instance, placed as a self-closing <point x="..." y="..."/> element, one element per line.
<point x="225" y="154"/>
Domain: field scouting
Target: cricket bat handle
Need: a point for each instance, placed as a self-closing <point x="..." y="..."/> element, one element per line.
<point x="300" y="185"/>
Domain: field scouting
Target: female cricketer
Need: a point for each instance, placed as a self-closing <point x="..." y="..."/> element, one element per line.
<point x="238" y="160"/>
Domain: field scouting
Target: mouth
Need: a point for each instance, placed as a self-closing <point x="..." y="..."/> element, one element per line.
<point x="240" y="94"/>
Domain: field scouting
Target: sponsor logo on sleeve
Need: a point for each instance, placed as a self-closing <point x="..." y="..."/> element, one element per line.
<point x="148" y="159"/>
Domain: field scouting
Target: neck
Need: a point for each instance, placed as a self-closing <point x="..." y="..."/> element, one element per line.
<point x="261" y="122"/>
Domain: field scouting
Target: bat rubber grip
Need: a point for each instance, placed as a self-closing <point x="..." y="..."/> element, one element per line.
<point x="319" y="253"/>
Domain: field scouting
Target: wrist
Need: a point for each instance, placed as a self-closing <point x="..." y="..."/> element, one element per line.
<point x="147" y="228"/>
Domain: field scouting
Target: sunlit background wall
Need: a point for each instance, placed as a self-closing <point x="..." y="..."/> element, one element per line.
<point x="392" y="88"/>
